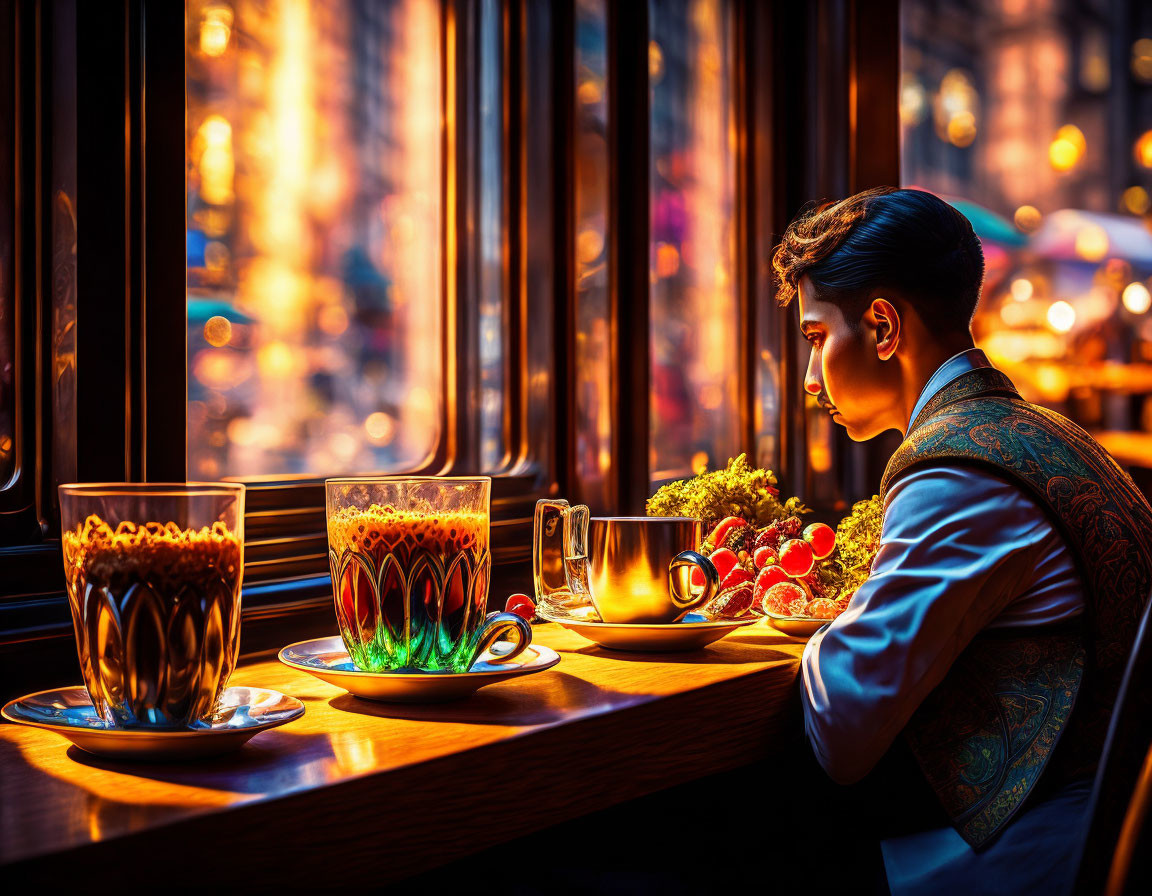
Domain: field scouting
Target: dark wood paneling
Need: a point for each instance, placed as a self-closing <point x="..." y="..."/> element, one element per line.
<point x="628" y="235"/>
<point x="161" y="390"/>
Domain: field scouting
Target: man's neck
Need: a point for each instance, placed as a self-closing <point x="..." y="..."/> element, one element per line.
<point x="917" y="368"/>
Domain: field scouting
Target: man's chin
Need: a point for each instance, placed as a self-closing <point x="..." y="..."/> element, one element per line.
<point x="856" y="432"/>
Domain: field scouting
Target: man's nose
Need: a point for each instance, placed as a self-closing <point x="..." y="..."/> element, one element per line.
<point x="811" y="383"/>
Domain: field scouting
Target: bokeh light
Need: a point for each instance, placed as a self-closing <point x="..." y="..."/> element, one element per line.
<point x="913" y="100"/>
<point x="1136" y="298"/>
<point x="1061" y="316"/>
<point x="1142" y="59"/>
<point x="1067" y="148"/>
<point x="381" y="427"/>
<point x="1092" y="242"/>
<point x="1135" y="200"/>
<point x="1028" y="218"/>
<point x="655" y="62"/>
<point x="590" y="92"/>
<point x="215" y="30"/>
<point x="956" y="108"/>
<point x="1021" y="289"/>
<point x="589" y="245"/>
<point x="216" y="164"/>
<point x="1143" y="149"/>
<point x="218" y="331"/>
<point x="667" y="260"/>
<point x="962" y="129"/>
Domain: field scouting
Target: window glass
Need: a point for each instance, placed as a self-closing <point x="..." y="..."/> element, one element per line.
<point x="695" y="336"/>
<point x="539" y="258"/>
<point x="593" y="395"/>
<point x="491" y="225"/>
<point x="314" y="236"/>
<point x="1034" y="118"/>
<point x="63" y="186"/>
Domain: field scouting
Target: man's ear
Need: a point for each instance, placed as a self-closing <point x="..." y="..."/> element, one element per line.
<point x="887" y="325"/>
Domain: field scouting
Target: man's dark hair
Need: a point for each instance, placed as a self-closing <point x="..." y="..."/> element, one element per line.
<point x="909" y="241"/>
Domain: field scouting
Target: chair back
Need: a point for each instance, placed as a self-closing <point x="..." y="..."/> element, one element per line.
<point x="1121" y="763"/>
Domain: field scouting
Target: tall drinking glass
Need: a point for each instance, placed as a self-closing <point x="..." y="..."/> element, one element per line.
<point x="153" y="573"/>
<point x="410" y="569"/>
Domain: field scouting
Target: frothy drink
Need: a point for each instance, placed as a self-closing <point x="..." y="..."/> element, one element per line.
<point x="156" y="610"/>
<point x="411" y="587"/>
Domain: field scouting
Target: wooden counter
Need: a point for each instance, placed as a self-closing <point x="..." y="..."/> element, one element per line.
<point x="361" y="791"/>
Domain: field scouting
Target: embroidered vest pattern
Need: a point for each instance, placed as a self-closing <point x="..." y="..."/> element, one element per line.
<point x="983" y="737"/>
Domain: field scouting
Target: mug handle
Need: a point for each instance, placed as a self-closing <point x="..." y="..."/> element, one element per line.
<point x="680" y="580"/>
<point x="496" y="627"/>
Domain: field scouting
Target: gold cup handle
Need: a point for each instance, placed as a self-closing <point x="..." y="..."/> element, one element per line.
<point x="497" y="627"/>
<point x="680" y="588"/>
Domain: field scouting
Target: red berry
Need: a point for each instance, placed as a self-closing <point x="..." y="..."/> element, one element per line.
<point x="737" y="577"/>
<point x="768" y="537"/>
<point x="821" y="538"/>
<point x="769" y="576"/>
<point x="522" y="605"/>
<point x="723" y="528"/>
<point x="796" y="557"/>
<point x="732" y="603"/>
<point x="764" y="556"/>
<point x="780" y="597"/>
<point x="724" y="560"/>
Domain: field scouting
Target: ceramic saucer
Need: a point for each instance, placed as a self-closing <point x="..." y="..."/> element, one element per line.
<point x="242" y="713"/>
<point x="328" y="660"/>
<point x="668" y="638"/>
<point x="796" y="626"/>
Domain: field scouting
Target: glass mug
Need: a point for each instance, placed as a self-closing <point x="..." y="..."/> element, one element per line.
<point x="410" y="570"/>
<point x="625" y="570"/>
<point x="153" y="573"/>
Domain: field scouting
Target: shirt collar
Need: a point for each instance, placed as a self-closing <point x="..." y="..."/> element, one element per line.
<point x="953" y="368"/>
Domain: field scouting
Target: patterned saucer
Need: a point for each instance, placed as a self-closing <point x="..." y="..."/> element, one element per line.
<point x="669" y="638"/>
<point x="796" y="626"/>
<point x="328" y="660"/>
<point x="242" y="713"/>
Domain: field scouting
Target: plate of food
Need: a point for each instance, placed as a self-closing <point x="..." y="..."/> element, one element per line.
<point x="796" y="626"/>
<point x="768" y="561"/>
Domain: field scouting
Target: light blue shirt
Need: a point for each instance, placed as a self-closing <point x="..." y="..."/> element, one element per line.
<point x="961" y="550"/>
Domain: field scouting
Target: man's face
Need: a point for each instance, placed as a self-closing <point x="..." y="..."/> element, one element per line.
<point x="845" y="371"/>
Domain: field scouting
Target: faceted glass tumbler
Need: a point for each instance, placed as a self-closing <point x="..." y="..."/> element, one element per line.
<point x="153" y="573"/>
<point x="410" y="569"/>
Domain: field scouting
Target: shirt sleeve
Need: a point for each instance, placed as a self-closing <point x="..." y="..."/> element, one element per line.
<point x="956" y="546"/>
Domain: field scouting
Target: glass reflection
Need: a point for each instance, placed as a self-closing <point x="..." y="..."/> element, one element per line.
<point x="491" y="225"/>
<point x="314" y="222"/>
<point x="695" y="323"/>
<point x="593" y="348"/>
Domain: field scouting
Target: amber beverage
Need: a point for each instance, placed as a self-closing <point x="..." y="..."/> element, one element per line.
<point x="410" y="569"/>
<point x="153" y="574"/>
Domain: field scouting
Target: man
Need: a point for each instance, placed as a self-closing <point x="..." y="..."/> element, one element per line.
<point x="1014" y="563"/>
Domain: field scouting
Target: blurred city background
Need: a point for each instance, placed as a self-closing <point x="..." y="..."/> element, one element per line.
<point x="1034" y="118"/>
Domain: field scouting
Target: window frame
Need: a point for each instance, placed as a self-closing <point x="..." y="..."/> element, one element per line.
<point x="123" y="317"/>
<point x="19" y="502"/>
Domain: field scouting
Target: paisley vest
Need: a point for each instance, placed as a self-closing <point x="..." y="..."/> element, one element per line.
<point x="987" y="733"/>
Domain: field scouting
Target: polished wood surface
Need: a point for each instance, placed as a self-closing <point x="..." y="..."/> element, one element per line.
<point x="366" y="791"/>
